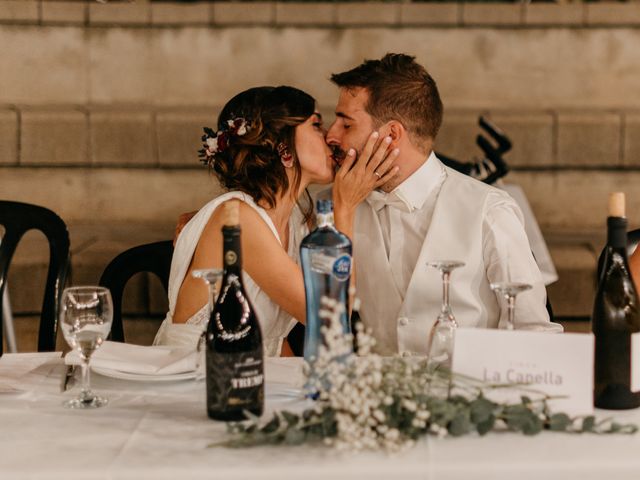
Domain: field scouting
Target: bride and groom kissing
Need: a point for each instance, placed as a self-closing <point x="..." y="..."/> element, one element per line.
<point x="392" y="196"/>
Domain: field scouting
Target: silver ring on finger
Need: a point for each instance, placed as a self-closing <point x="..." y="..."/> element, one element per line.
<point x="377" y="174"/>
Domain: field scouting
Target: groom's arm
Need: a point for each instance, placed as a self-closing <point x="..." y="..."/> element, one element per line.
<point x="508" y="257"/>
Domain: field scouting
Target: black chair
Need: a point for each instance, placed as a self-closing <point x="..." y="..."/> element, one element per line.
<point x="18" y="218"/>
<point x="151" y="257"/>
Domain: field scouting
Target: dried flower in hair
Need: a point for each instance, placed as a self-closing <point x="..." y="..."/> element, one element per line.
<point x="217" y="142"/>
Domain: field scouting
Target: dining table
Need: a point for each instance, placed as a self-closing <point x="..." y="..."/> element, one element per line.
<point x="160" y="430"/>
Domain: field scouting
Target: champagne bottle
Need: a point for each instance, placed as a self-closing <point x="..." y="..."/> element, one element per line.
<point x="234" y="355"/>
<point x="326" y="264"/>
<point x="615" y="317"/>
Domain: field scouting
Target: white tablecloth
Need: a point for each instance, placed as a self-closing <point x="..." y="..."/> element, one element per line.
<point x="158" y="431"/>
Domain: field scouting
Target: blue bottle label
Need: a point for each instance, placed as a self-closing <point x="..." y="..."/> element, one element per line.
<point x="342" y="268"/>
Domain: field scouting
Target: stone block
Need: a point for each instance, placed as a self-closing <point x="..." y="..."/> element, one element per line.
<point x="133" y="196"/>
<point x="368" y="13"/>
<point x="243" y="13"/>
<point x="179" y="137"/>
<point x="44" y="65"/>
<point x="531" y="135"/>
<point x="576" y="200"/>
<point x="456" y="138"/>
<point x="128" y="67"/>
<point x="613" y="13"/>
<point x="19" y="10"/>
<point x="572" y="295"/>
<point x="122" y="138"/>
<point x="53" y="138"/>
<point x="180" y="13"/>
<point x="554" y="14"/>
<point x="430" y="13"/>
<point x="137" y="13"/>
<point x="586" y="139"/>
<point x="305" y="13"/>
<point x="492" y="14"/>
<point x="8" y="137"/>
<point x="632" y="140"/>
<point x="64" y="12"/>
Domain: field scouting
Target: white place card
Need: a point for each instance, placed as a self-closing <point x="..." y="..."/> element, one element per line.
<point x="635" y="362"/>
<point x="556" y="364"/>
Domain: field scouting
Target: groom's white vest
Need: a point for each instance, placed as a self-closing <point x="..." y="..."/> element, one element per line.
<point x="401" y="322"/>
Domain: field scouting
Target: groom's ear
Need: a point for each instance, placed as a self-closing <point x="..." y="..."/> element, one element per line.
<point x="396" y="131"/>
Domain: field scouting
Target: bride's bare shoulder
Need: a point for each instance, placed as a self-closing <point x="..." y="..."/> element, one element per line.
<point x="250" y="220"/>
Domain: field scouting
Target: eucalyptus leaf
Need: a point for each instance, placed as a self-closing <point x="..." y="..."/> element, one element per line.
<point x="559" y="422"/>
<point x="460" y="425"/>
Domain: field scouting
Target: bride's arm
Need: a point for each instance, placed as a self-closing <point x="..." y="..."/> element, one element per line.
<point x="263" y="258"/>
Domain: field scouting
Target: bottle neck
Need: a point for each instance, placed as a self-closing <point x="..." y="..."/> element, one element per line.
<point x="324" y="220"/>
<point x="232" y="251"/>
<point x="617" y="232"/>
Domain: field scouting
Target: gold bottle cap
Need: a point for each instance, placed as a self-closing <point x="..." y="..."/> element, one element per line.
<point x="616" y="204"/>
<point x="231" y="216"/>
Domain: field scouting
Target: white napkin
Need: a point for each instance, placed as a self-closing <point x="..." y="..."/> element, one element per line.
<point x="128" y="358"/>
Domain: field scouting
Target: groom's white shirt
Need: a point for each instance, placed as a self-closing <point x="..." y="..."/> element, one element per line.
<point x="440" y="214"/>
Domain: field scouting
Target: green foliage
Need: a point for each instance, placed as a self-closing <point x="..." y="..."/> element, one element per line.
<point x="452" y="414"/>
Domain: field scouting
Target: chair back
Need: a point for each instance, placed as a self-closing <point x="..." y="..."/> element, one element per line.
<point x="151" y="257"/>
<point x="18" y="218"/>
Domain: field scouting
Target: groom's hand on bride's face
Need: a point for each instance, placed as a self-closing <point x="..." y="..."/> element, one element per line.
<point x="369" y="169"/>
<point x="183" y="219"/>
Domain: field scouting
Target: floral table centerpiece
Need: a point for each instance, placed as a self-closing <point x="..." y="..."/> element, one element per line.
<point x="365" y="401"/>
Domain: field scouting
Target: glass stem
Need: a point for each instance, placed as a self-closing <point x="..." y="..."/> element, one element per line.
<point x="511" y="309"/>
<point x="445" y="291"/>
<point x="212" y="296"/>
<point x="86" y="382"/>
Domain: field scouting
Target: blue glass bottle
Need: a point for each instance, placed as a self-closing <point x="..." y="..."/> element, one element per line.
<point x="326" y="264"/>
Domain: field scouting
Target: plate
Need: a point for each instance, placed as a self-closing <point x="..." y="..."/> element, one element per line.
<point x="141" y="377"/>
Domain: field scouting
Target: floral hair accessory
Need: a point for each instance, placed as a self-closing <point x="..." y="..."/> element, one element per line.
<point x="217" y="142"/>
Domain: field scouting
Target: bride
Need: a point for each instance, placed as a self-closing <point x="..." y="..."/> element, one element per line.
<point x="270" y="145"/>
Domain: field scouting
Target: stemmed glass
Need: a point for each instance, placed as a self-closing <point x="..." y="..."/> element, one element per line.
<point x="86" y="314"/>
<point x="211" y="276"/>
<point x="509" y="291"/>
<point x="442" y="333"/>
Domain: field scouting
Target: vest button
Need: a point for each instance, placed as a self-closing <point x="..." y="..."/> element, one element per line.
<point x="403" y="321"/>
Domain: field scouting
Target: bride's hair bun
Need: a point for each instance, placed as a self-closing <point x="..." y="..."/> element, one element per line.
<point x="257" y="121"/>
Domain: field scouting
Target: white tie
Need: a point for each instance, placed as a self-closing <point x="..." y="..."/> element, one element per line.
<point x="378" y="200"/>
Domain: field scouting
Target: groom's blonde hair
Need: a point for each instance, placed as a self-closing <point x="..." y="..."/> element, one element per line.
<point x="399" y="89"/>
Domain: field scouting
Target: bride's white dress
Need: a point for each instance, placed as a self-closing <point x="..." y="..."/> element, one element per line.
<point x="275" y="323"/>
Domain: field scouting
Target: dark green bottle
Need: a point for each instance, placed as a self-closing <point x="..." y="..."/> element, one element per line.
<point x="235" y="358"/>
<point x="615" y="318"/>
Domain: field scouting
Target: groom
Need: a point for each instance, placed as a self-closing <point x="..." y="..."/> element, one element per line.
<point x="427" y="212"/>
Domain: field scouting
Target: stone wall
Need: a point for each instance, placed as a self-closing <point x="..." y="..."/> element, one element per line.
<point x="101" y="106"/>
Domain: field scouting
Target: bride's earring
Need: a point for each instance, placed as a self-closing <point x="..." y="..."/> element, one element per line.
<point x="285" y="157"/>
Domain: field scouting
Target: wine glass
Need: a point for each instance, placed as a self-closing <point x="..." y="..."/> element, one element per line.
<point x="211" y="276"/>
<point x="509" y="291"/>
<point x="86" y="314"/>
<point x="440" y="347"/>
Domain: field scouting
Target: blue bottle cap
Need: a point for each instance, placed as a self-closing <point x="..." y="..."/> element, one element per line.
<point x="324" y="206"/>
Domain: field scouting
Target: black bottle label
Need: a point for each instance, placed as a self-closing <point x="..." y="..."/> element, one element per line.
<point x="235" y="382"/>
